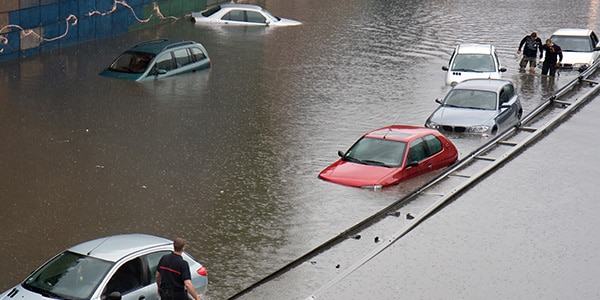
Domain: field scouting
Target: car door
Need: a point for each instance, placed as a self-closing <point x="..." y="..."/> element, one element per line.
<point x="595" y="44"/>
<point x="508" y="110"/>
<point x="255" y="18"/>
<point x="163" y="66"/>
<point x="417" y="161"/>
<point x="235" y="16"/>
<point x="136" y="279"/>
<point x="132" y="281"/>
<point x="434" y="152"/>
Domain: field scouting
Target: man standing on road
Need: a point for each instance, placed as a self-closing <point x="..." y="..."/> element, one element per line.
<point x="532" y="44"/>
<point x="553" y="58"/>
<point x="173" y="275"/>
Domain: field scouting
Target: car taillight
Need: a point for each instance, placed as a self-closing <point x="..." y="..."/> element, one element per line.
<point x="202" y="272"/>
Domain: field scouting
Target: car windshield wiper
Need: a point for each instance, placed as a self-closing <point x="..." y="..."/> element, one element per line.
<point x="374" y="162"/>
<point x="451" y="105"/>
<point x="352" y="159"/>
<point x="43" y="292"/>
<point x="473" y="107"/>
<point x="365" y="161"/>
<point x="465" y="70"/>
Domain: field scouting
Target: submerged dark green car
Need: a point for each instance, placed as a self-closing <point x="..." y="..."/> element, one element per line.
<point x="157" y="59"/>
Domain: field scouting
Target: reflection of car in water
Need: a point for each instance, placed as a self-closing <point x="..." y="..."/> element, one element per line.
<point x="158" y="59"/>
<point x="580" y="47"/>
<point x="390" y="155"/>
<point x="473" y="61"/>
<point x="477" y="106"/>
<point x="110" y="268"/>
<point x="240" y="14"/>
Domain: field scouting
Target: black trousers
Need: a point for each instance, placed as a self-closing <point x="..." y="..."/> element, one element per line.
<point x="173" y="294"/>
<point x="549" y="67"/>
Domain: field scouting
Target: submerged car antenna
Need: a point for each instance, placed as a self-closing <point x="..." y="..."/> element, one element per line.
<point x="390" y="128"/>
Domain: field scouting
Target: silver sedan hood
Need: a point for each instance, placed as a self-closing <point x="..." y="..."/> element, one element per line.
<point x="463" y="116"/>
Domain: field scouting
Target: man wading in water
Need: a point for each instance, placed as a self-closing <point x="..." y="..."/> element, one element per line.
<point x="532" y="44"/>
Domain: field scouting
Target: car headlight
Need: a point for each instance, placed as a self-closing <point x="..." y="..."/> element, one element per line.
<point x="581" y="66"/>
<point x="376" y="187"/>
<point x="432" y="125"/>
<point x="479" y="129"/>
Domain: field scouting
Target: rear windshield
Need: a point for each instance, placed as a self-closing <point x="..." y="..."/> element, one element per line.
<point x="211" y="11"/>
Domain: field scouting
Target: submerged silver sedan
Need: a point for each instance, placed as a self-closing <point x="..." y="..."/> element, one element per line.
<point x="478" y="106"/>
<point x="109" y="268"/>
<point x="240" y="14"/>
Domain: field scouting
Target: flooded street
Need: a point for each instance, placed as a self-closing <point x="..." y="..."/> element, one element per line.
<point x="228" y="158"/>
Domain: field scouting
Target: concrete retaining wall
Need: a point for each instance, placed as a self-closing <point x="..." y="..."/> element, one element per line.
<point x="29" y="27"/>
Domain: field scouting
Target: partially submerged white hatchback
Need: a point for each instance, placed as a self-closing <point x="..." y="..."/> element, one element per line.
<point x="469" y="61"/>
<point x="580" y="47"/>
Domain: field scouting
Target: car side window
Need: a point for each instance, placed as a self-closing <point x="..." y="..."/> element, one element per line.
<point x="507" y="93"/>
<point x="153" y="260"/>
<point x="197" y="54"/>
<point x="234" y="15"/>
<point x="182" y="57"/>
<point x="128" y="277"/>
<point x="165" y="62"/>
<point x="417" y="151"/>
<point x="434" y="145"/>
<point x="503" y="96"/>
<point x="594" y="40"/>
<point x="255" y="17"/>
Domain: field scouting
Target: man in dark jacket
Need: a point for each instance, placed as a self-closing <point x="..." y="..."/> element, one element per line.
<point x="173" y="275"/>
<point x="532" y="44"/>
<point x="553" y="58"/>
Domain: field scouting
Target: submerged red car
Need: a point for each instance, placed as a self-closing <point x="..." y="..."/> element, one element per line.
<point x="391" y="154"/>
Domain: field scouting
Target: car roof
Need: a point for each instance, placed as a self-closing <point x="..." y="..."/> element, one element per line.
<point x="113" y="248"/>
<point x="157" y="46"/>
<point x="403" y="133"/>
<point x="241" y="6"/>
<point x="475" y="48"/>
<point x="573" y="32"/>
<point x="482" y="84"/>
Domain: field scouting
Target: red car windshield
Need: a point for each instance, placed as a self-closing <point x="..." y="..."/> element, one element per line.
<point x="376" y="151"/>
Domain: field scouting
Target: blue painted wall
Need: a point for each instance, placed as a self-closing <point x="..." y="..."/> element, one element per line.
<point x="29" y="27"/>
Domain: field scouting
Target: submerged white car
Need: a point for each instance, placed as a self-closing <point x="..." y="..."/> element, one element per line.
<point x="471" y="61"/>
<point x="580" y="47"/>
<point x="240" y="14"/>
<point x="119" y="267"/>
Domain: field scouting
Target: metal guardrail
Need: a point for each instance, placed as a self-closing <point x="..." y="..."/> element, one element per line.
<point x="513" y="140"/>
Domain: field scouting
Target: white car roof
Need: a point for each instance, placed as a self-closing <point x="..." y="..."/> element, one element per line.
<point x="113" y="248"/>
<point x="573" y="32"/>
<point x="241" y="6"/>
<point x="475" y="48"/>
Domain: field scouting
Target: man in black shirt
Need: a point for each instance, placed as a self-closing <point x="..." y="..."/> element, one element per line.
<point x="553" y="58"/>
<point x="173" y="275"/>
<point x="532" y="44"/>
